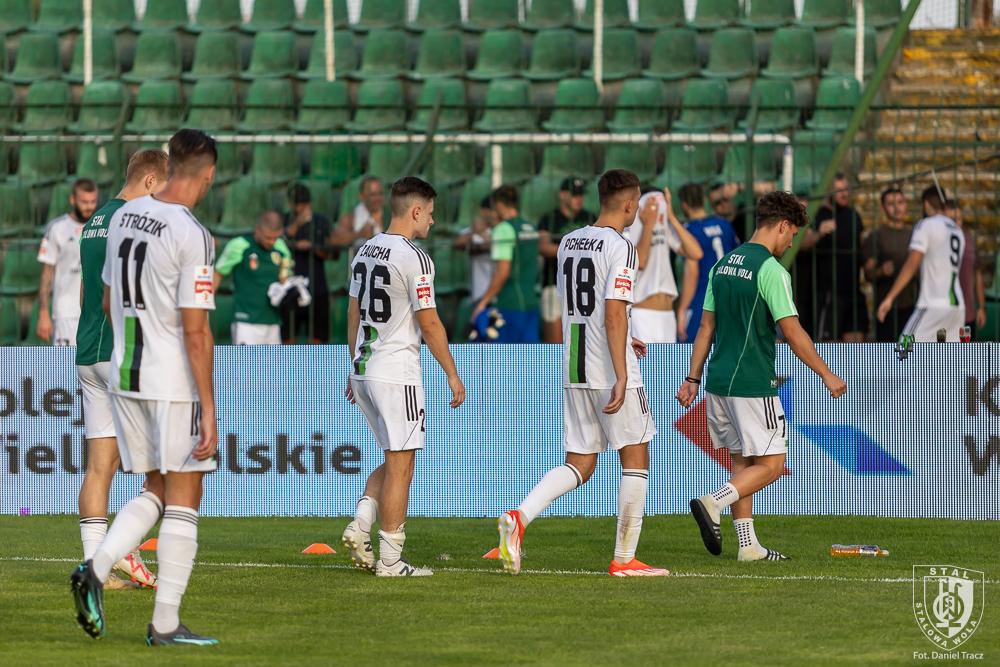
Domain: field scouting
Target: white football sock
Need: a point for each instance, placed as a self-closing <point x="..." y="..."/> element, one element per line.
<point x="557" y="482"/>
<point x="747" y="536"/>
<point x="92" y="532"/>
<point x="366" y="513"/>
<point x="631" y="506"/>
<point x="390" y="545"/>
<point x="131" y="524"/>
<point x="176" y="548"/>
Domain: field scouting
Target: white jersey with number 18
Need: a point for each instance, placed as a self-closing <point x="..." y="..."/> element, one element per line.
<point x="942" y="242"/>
<point x="159" y="260"/>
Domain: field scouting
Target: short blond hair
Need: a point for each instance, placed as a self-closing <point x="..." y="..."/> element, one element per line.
<point x="144" y="162"/>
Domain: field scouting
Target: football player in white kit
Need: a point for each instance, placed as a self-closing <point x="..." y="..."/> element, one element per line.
<point x="936" y="249"/>
<point x="392" y="306"/>
<point x="604" y="397"/>
<point x="59" y="254"/>
<point x="655" y="232"/>
<point x="158" y="278"/>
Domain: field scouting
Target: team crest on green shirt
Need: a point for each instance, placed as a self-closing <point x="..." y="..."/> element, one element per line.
<point x="254" y="261"/>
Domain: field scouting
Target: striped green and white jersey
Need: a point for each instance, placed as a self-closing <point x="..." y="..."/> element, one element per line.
<point x="392" y="279"/>
<point x="159" y="260"/>
<point x="595" y="264"/>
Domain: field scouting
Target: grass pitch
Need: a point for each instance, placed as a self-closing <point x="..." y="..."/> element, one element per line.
<point x="269" y="604"/>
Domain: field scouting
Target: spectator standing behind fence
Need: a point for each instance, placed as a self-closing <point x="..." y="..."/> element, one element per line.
<point x="514" y="250"/>
<point x="59" y="254"/>
<point x="569" y="216"/>
<point x="307" y="234"/>
<point x="884" y="251"/>
<point x="970" y="275"/>
<point x="475" y="240"/>
<point x="365" y="221"/>
<point x="723" y="199"/>
<point x="256" y="261"/>
<point x="716" y="237"/>
<point x="835" y="244"/>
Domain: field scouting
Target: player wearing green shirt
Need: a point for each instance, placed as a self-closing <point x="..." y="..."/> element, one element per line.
<point x="514" y="288"/>
<point x="146" y="174"/>
<point x="749" y="295"/>
<point x="256" y="261"/>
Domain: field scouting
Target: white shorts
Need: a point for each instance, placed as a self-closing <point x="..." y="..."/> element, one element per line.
<point x="245" y="333"/>
<point x="97" y="418"/>
<point x="924" y="324"/>
<point x="654" y="326"/>
<point x="551" y="306"/>
<point x="752" y="426"/>
<point x="395" y="413"/>
<point x="589" y="430"/>
<point x="64" y="331"/>
<point x="158" y="435"/>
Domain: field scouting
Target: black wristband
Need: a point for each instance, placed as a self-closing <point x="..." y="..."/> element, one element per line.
<point x="693" y="380"/>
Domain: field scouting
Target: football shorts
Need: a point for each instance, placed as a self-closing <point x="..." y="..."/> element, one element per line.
<point x="654" y="326"/>
<point x="245" y="333"/>
<point x="751" y="426"/>
<point x="590" y="431"/>
<point x="64" y="331"/>
<point x="158" y="435"/>
<point x="395" y="413"/>
<point x="98" y="422"/>
<point x="924" y="324"/>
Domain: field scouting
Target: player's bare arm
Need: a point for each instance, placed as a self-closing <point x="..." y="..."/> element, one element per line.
<point x="44" y="326"/>
<point x="803" y="348"/>
<point x="198" y="343"/>
<point x="500" y="276"/>
<point x="699" y="354"/>
<point x="616" y="324"/>
<point x="690" y="248"/>
<point x="546" y="246"/>
<point x="910" y="268"/>
<point x="647" y="215"/>
<point x="436" y="338"/>
<point x="353" y="322"/>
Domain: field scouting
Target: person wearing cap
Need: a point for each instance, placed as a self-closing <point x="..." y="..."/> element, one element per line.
<point x="569" y="215"/>
<point x="307" y="234"/>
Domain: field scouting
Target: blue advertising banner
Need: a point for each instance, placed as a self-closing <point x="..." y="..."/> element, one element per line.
<point x="912" y="438"/>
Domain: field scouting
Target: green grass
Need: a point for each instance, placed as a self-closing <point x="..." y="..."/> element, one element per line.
<point x="316" y="610"/>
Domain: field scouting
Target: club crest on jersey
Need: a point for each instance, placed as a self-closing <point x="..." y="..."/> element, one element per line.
<point x="623" y="282"/>
<point x="276" y="257"/>
<point x="204" y="292"/>
<point x="948" y="603"/>
<point x="254" y="261"/>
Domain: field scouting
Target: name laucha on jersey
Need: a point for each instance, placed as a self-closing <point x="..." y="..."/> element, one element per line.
<point x="375" y="252"/>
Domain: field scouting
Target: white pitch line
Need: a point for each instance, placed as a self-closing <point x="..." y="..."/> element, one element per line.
<point x="474" y="570"/>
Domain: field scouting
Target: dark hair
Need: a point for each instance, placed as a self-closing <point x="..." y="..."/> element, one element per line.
<point x="952" y="203"/>
<point x="718" y="185"/>
<point x="366" y="180"/>
<point x="486" y="202"/>
<point x="506" y="195"/>
<point x="84" y="185"/>
<point x="144" y="162"/>
<point x="692" y="195"/>
<point x="934" y="196"/>
<point x="777" y="206"/>
<point x="300" y="194"/>
<point x="614" y="181"/>
<point x="405" y="190"/>
<point x="840" y="176"/>
<point x="189" y="146"/>
<point x="891" y="190"/>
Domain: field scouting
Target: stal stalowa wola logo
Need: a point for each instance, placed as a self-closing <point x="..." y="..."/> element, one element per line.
<point x="948" y="603"/>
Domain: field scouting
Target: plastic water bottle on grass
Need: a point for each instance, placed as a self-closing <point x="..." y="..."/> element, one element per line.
<point x="857" y="550"/>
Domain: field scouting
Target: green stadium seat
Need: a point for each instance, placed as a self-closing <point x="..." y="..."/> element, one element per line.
<point x="325" y="107"/>
<point x="3" y="55"/>
<point x="37" y="58"/>
<point x="879" y="13"/>
<point x="105" y="57"/>
<point x="338" y="274"/>
<point x="640" y="160"/>
<point x="345" y="57"/>
<point x="813" y="152"/>
<point x="159" y="106"/>
<point x="769" y="14"/>
<point x="793" y="54"/>
<point x="275" y="163"/>
<point x="451" y="164"/>
<point x="163" y="15"/>
<point x="621" y="55"/>
<point x="216" y="56"/>
<point x="657" y="14"/>
<point x="735" y="164"/>
<point x="273" y="55"/>
<point x="214" y="105"/>
<point x="334" y="164"/>
<point x="10" y="322"/>
<point x="450" y="95"/>
<point x="16" y="215"/>
<point x="640" y="107"/>
<point x="221" y="319"/>
<point x="338" y="314"/>
<point x="473" y="193"/>
<point x="441" y="53"/>
<point x="384" y="55"/>
<point x="774" y="100"/>
<point x="15" y="16"/>
<point x="562" y="160"/>
<point x="436" y="14"/>
<point x="508" y="107"/>
<point x="245" y="200"/>
<point x="270" y="15"/>
<point x="7" y="116"/>
<point x="380" y="14"/>
<point x="387" y="161"/>
<point x="732" y="54"/>
<point x="58" y="16"/>
<point x="491" y="15"/>
<point x="501" y="54"/>
<point x="228" y="166"/>
<point x="312" y="18"/>
<point x="46" y="107"/>
<point x="115" y="15"/>
<point x="157" y="56"/>
<point x="546" y="14"/>
<point x="577" y="107"/>
<point x="101" y="162"/>
<point x="674" y="55"/>
<point x="836" y="99"/>
<point x="21" y="269"/>
<point x="704" y="106"/>
<point x="517" y="163"/>
<point x="102" y="107"/>
<point x="615" y="15"/>
<point x="58" y="204"/>
<point x="715" y="14"/>
<point x="842" y="52"/>
<point x="324" y="197"/>
<point x="269" y="105"/>
<point x="380" y="107"/>
<point x="41" y="163"/>
<point x="539" y="196"/>
<point x="554" y="56"/>
<point x="687" y="163"/>
<point x="217" y="15"/>
<point x="824" y="14"/>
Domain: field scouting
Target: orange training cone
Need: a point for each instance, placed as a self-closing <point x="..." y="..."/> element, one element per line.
<point x="148" y="545"/>
<point x="318" y="548"/>
<point x="492" y="554"/>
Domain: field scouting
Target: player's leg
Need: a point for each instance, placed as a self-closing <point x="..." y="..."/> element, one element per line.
<point x="750" y="548"/>
<point x="102" y="463"/>
<point x="706" y="509"/>
<point x="357" y="536"/>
